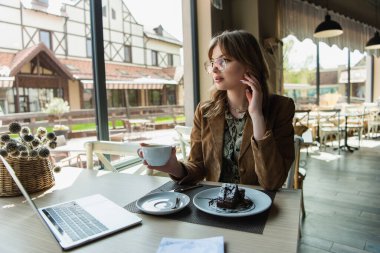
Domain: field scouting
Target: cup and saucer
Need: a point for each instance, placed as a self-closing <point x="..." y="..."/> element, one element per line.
<point x="160" y="203"/>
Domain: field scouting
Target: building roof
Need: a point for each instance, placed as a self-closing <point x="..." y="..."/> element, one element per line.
<point x="82" y="70"/>
<point x="159" y="33"/>
<point x="53" y="7"/>
<point x="47" y="59"/>
<point x="117" y="75"/>
<point x="11" y="64"/>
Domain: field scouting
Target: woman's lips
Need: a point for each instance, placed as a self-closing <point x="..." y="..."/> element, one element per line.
<point x="218" y="79"/>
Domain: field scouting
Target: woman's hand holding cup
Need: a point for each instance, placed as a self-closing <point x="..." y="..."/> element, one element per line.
<point x="161" y="157"/>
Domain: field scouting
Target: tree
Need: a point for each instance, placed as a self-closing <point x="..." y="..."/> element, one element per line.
<point x="58" y="107"/>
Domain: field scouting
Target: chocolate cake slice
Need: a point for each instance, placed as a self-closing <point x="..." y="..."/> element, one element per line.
<point x="230" y="196"/>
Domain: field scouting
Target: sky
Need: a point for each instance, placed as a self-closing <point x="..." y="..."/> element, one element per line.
<point x="152" y="13"/>
<point x="330" y="57"/>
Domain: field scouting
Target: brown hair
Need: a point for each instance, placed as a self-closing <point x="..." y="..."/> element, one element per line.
<point x="243" y="47"/>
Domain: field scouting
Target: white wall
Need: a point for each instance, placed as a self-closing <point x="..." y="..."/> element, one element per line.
<point x="43" y="21"/>
<point x="9" y="14"/>
<point x="75" y="28"/>
<point x="13" y="38"/>
<point x="77" y="45"/>
<point x="138" y="55"/>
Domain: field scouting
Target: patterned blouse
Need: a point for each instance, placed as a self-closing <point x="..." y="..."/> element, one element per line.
<point x="233" y="135"/>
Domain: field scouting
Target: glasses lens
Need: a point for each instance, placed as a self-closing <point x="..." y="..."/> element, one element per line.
<point x="208" y="66"/>
<point x="220" y="63"/>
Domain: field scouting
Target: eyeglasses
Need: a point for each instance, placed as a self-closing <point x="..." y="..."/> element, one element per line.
<point x="220" y="63"/>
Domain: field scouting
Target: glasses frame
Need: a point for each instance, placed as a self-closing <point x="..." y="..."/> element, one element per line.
<point x="220" y="63"/>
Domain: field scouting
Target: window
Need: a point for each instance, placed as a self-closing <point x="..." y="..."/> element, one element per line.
<point x="170" y="60"/>
<point x="154" y="97"/>
<point x="133" y="97"/>
<point x="89" y="47"/>
<point x="115" y="98"/>
<point x="127" y="54"/>
<point x="88" y="101"/>
<point x="45" y="37"/>
<point x="171" y="94"/>
<point x="154" y="58"/>
<point x="44" y="2"/>
<point x="113" y="12"/>
<point x="104" y="11"/>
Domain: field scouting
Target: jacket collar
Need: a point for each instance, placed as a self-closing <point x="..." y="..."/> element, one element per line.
<point x="247" y="136"/>
<point x="217" y="126"/>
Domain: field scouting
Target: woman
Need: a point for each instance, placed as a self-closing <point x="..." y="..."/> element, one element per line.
<point x="243" y="134"/>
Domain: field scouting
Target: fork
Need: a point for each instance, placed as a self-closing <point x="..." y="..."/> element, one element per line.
<point x="177" y="202"/>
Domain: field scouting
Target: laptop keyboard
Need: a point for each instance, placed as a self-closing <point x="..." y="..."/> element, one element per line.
<point x="72" y="219"/>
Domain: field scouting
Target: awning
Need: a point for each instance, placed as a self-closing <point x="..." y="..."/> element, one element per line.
<point x="143" y="83"/>
<point x="6" y="82"/>
<point x="356" y="76"/>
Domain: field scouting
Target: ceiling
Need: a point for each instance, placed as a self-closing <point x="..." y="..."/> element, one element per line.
<point x="369" y="11"/>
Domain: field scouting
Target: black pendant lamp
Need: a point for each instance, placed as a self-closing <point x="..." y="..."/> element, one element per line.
<point x="328" y="28"/>
<point x="374" y="42"/>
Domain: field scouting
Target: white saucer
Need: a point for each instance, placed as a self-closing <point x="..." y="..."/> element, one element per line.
<point x="162" y="203"/>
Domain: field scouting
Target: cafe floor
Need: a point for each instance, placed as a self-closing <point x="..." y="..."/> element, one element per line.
<point x="342" y="200"/>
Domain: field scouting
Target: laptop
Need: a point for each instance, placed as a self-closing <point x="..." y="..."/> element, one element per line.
<point x="80" y="221"/>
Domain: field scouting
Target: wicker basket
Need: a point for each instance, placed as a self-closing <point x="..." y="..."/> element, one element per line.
<point x="35" y="175"/>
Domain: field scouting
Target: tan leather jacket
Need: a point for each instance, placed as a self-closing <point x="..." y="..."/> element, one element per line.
<point x="263" y="162"/>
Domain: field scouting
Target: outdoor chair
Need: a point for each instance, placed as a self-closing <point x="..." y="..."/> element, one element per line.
<point x="65" y="158"/>
<point x="127" y="151"/>
<point x="184" y="133"/>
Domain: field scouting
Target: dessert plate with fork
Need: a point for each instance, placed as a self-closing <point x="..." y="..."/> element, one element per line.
<point x="163" y="203"/>
<point x="206" y="201"/>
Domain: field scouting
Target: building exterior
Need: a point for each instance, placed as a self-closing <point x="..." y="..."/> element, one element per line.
<point x="47" y="53"/>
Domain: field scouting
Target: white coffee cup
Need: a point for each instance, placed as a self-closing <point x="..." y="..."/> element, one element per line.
<point x="156" y="155"/>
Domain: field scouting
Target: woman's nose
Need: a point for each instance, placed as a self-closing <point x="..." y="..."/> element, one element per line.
<point x="215" y="68"/>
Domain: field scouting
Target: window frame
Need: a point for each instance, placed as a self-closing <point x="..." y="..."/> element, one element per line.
<point x="104" y="11"/>
<point x="127" y="53"/>
<point x="170" y="60"/>
<point x="113" y="14"/>
<point x="88" y="47"/>
<point x="42" y="31"/>
<point x="154" y="58"/>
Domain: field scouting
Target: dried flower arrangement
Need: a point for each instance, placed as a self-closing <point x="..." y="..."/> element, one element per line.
<point x="27" y="145"/>
<point x="29" y="156"/>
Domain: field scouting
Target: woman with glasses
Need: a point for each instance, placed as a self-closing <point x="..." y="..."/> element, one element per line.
<point x="243" y="134"/>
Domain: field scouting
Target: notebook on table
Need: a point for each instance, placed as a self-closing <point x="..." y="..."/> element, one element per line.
<point x="82" y="220"/>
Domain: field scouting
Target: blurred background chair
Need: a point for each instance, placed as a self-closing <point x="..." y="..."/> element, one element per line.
<point x="355" y="120"/>
<point x="184" y="133"/>
<point x="329" y="127"/>
<point x="297" y="174"/>
<point x="372" y="115"/>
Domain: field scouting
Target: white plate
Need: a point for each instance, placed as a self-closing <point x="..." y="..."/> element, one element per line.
<point x="261" y="203"/>
<point x="161" y="203"/>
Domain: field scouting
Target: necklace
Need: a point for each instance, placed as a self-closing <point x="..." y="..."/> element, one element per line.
<point x="238" y="110"/>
